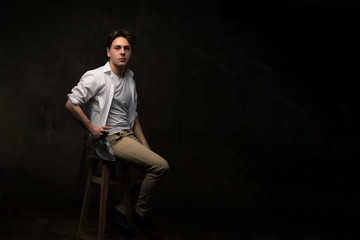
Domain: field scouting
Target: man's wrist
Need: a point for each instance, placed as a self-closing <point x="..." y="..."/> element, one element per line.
<point x="91" y="128"/>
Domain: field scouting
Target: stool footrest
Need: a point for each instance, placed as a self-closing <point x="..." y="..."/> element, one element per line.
<point x="113" y="181"/>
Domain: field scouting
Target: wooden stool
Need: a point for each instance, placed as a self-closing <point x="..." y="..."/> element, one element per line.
<point x="105" y="180"/>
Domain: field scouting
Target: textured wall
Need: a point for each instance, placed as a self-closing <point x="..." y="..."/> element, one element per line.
<point x="253" y="105"/>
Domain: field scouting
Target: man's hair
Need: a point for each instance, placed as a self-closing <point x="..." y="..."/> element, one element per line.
<point x="121" y="33"/>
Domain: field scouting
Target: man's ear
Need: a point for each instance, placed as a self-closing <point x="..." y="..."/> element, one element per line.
<point x="108" y="51"/>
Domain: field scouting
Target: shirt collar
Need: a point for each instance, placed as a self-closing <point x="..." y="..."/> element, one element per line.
<point x="107" y="68"/>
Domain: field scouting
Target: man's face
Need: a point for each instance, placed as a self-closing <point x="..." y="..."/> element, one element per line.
<point x="119" y="52"/>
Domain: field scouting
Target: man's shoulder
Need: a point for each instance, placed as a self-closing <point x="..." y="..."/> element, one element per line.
<point x="129" y="73"/>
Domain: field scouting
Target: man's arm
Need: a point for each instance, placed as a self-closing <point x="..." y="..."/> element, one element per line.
<point x="79" y="115"/>
<point x="139" y="133"/>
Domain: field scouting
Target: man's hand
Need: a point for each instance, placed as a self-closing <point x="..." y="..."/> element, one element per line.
<point x="139" y="133"/>
<point x="100" y="132"/>
<point x="78" y="114"/>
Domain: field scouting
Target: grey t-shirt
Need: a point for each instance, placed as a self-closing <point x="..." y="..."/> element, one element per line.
<point x="118" y="114"/>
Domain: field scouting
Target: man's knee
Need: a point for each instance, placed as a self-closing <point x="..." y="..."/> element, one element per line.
<point x="162" y="167"/>
<point x="165" y="166"/>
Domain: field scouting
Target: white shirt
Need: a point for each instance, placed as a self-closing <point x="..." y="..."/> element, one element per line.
<point x="95" y="90"/>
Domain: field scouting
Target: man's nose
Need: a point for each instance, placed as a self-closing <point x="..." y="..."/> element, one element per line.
<point x="122" y="51"/>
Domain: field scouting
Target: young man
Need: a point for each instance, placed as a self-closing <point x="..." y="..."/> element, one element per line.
<point x="110" y="96"/>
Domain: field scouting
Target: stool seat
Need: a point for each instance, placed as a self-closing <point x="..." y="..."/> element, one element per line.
<point x="106" y="179"/>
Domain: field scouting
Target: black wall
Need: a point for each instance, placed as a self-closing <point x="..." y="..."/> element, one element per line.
<point x="253" y="104"/>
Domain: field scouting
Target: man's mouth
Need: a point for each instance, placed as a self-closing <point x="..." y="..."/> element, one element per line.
<point x="122" y="59"/>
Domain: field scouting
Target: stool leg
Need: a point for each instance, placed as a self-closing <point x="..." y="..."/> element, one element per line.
<point x="103" y="200"/>
<point x="87" y="197"/>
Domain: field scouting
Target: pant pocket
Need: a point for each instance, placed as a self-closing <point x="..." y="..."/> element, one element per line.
<point x="114" y="138"/>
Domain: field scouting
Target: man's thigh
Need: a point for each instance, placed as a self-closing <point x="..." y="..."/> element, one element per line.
<point x="130" y="150"/>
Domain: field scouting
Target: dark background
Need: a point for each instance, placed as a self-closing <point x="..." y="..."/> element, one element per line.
<point x="253" y="105"/>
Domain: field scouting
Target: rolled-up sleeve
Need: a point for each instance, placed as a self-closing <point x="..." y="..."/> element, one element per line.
<point x="84" y="90"/>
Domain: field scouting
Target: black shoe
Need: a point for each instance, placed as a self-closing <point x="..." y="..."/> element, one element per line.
<point x="147" y="227"/>
<point x="117" y="220"/>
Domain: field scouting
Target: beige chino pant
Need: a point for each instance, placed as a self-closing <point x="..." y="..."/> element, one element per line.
<point x="129" y="149"/>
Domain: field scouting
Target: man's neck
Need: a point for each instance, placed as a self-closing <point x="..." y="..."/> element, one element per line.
<point x="118" y="71"/>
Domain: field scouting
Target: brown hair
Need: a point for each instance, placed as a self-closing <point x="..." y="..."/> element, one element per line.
<point x="121" y="33"/>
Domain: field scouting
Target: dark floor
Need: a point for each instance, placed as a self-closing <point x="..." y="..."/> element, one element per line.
<point x="49" y="222"/>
